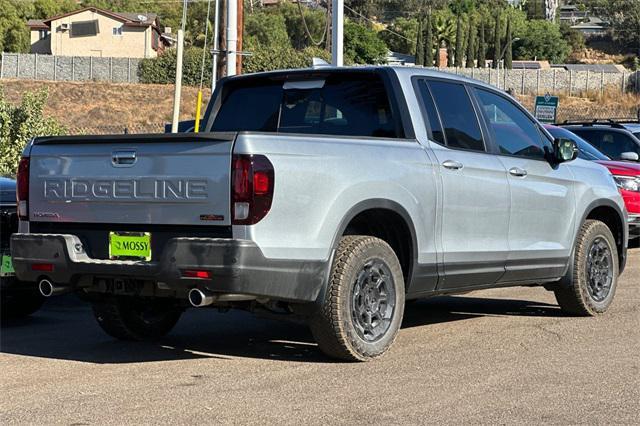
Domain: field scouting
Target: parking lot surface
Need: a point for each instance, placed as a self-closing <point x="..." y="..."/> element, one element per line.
<point x="496" y="356"/>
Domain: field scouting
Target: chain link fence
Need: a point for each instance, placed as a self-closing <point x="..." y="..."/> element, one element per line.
<point x="569" y="112"/>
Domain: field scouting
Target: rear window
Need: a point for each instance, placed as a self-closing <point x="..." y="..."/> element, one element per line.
<point x="341" y="105"/>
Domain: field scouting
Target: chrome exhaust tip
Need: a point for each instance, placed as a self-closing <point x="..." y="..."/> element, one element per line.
<point x="200" y="298"/>
<point x="48" y="289"/>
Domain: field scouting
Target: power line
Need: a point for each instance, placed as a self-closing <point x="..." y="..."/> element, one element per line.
<point x="374" y="22"/>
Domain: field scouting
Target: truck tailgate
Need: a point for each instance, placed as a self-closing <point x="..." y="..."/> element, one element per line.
<point x="162" y="179"/>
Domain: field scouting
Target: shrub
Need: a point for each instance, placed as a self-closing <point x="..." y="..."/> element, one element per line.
<point x="162" y="70"/>
<point x="265" y="58"/>
<point x="20" y="123"/>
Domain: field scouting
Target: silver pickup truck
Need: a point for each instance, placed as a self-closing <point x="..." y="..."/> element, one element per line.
<point x="334" y="195"/>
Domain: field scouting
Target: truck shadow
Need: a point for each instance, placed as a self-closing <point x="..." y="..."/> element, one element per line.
<point x="65" y="329"/>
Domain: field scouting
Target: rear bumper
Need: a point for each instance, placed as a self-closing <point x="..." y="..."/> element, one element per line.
<point x="236" y="266"/>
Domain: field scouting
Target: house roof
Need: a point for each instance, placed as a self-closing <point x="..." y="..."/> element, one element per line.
<point x="129" y="19"/>
<point x="37" y="24"/>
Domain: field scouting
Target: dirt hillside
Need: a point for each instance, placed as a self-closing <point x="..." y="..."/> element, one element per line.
<point x="106" y="105"/>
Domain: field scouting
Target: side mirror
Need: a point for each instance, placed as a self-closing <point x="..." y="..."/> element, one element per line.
<point x="630" y="156"/>
<point x="564" y="150"/>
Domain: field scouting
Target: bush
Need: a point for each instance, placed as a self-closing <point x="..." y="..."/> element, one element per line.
<point x="265" y="58"/>
<point x="362" y="45"/>
<point x="20" y="123"/>
<point x="162" y="70"/>
<point x="542" y="40"/>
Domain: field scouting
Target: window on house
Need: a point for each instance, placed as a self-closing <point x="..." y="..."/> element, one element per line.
<point x="117" y="31"/>
<point x="84" y="28"/>
<point x="43" y="34"/>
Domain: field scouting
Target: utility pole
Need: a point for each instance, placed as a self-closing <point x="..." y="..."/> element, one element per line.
<point x="216" y="47"/>
<point x="337" y="32"/>
<point x="232" y="36"/>
<point x="177" y="94"/>
<point x="240" y="33"/>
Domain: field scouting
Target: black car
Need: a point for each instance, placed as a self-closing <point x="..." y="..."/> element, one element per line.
<point x="17" y="299"/>
<point x="615" y="140"/>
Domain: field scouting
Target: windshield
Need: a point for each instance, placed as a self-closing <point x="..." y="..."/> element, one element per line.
<point x="586" y="150"/>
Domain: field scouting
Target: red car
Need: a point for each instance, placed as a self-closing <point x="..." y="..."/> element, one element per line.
<point x="625" y="173"/>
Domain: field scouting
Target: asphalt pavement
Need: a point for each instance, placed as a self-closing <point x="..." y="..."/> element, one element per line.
<point x="498" y="356"/>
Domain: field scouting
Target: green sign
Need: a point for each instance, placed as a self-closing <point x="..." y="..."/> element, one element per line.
<point x="546" y="109"/>
<point x="7" y="266"/>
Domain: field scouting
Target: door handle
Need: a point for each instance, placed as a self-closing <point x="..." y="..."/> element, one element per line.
<point x="452" y="165"/>
<point x="517" y="171"/>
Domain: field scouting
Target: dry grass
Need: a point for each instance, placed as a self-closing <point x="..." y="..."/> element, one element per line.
<point x="95" y="105"/>
<point x="103" y="107"/>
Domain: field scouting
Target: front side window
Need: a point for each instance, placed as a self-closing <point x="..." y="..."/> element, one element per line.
<point x="432" y="114"/>
<point x="342" y="105"/>
<point x="458" y="117"/>
<point x="514" y="132"/>
<point x="610" y="143"/>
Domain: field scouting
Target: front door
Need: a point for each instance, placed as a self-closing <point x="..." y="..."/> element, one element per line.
<point x="543" y="215"/>
<point x="475" y="194"/>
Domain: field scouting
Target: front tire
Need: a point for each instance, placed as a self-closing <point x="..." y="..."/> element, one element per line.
<point x="590" y="284"/>
<point x="133" y="318"/>
<point x="360" y="314"/>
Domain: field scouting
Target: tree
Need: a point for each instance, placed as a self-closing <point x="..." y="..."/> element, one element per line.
<point x="542" y="40"/>
<point x="573" y="37"/>
<point x="471" y="44"/>
<point x="428" y="42"/>
<point x="482" y="48"/>
<point x="496" y="41"/>
<point x="362" y="44"/>
<point x="266" y="29"/>
<point x="401" y="35"/>
<point x="20" y="123"/>
<point x="420" y="45"/>
<point x="458" y="56"/>
<point x="508" y="54"/>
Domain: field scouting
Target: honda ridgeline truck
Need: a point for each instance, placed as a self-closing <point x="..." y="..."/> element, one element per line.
<point x="330" y="194"/>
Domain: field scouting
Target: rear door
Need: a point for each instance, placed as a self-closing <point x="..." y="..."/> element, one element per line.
<point x="475" y="193"/>
<point x="143" y="179"/>
<point x="543" y="215"/>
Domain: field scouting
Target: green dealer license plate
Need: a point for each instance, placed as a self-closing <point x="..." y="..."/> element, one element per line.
<point x="130" y="245"/>
<point x="6" y="270"/>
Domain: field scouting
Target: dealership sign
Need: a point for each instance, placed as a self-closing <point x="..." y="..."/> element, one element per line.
<point x="546" y="109"/>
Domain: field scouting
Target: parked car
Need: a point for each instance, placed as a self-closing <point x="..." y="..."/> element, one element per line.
<point x="330" y="194"/>
<point x="615" y="140"/>
<point x="626" y="175"/>
<point x="17" y="299"/>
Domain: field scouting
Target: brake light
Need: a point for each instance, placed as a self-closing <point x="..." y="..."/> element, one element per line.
<point x="22" y="190"/>
<point x="42" y="267"/>
<point x="194" y="273"/>
<point x="252" y="182"/>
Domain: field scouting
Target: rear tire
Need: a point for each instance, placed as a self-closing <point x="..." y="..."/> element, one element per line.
<point x="132" y="318"/>
<point x="20" y="303"/>
<point x="590" y="284"/>
<point x="362" y="308"/>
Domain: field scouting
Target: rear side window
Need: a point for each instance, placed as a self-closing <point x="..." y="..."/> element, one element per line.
<point x="612" y="144"/>
<point x="341" y="105"/>
<point x="457" y="115"/>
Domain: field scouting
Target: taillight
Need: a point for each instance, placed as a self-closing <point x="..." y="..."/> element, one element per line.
<point x="252" y="181"/>
<point x="22" y="191"/>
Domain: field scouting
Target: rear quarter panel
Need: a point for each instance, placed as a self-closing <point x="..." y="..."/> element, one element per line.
<point x="319" y="179"/>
